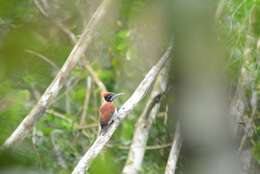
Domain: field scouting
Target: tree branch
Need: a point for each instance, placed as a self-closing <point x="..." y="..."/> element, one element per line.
<point x="175" y="151"/>
<point x="128" y="106"/>
<point x="51" y="92"/>
<point x="144" y="123"/>
<point x="73" y="39"/>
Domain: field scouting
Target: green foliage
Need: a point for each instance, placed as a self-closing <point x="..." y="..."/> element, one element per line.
<point x="256" y="152"/>
<point x="17" y="10"/>
<point x="14" y="104"/>
<point x="105" y="163"/>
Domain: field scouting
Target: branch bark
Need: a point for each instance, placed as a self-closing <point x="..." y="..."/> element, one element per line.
<point x="122" y="113"/>
<point x="51" y="92"/>
<point x="144" y="123"/>
<point x="175" y="151"/>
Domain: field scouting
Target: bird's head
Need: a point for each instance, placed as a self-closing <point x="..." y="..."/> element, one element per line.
<point x="110" y="96"/>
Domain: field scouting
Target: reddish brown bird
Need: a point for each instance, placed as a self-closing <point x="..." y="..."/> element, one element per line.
<point x="107" y="109"/>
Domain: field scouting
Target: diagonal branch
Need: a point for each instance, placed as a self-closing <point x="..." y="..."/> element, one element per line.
<point x="143" y="125"/>
<point x="175" y="151"/>
<point x="128" y="106"/>
<point x="73" y="39"/>
<point x="51" y="92"/>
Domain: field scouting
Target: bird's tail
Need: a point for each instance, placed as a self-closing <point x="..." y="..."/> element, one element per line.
<point x="104" y="129"/>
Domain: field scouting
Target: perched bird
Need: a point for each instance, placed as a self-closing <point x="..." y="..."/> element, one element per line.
<point x="107" y="109"/>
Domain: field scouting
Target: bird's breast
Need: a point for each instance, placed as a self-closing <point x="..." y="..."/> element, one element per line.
<point x="106" y="111"/>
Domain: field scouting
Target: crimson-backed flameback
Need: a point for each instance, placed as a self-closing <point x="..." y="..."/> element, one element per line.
<point x="107" y="109"/>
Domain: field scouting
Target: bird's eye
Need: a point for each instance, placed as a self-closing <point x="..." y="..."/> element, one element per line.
<point x="108" y="98"/>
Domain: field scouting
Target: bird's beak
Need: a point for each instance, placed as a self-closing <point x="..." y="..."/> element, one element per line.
<point x="117" y="95"/>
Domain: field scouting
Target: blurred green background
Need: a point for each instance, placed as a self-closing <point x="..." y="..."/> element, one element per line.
<point x="117" y="56"/>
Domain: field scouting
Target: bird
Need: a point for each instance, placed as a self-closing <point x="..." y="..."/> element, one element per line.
<point x="107" y="109"/>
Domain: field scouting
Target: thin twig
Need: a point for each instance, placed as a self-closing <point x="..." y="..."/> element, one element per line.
<point x="58" y="115"/>
<point x="49" y="61"/>
<point x="86" y="101"/>
<point x="51" y="92"/>
<point x="94" y="125"/>
<point x="159" y="146"/>
<point x="149" y="147"/>
<point x="122" y="113"/>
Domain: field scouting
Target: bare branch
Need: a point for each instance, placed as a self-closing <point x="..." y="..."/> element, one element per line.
<point x="175" y="151"/>
<point x="149" y="147"/>
<point x="51" y="92"/>
<point x="144" y="123"/>
<point x="127" y="107"/>
<point x="59" y="115"/>
<point x="86" y="102"/>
